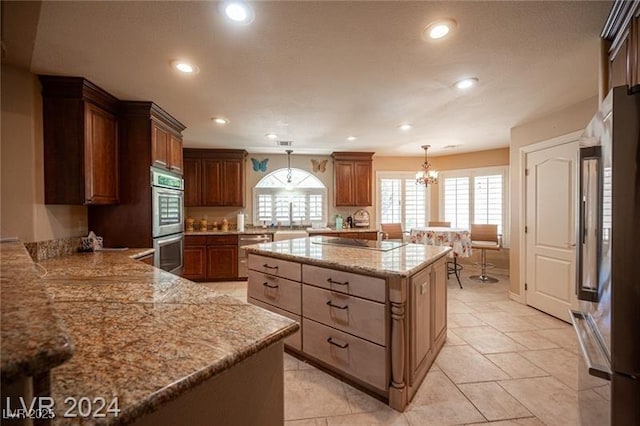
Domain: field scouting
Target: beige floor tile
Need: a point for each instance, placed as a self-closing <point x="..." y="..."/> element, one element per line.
<point x="488" y="340"/>
<point x="307" y="422"/>
<point x="458" y="307"/>
<point x="604" y="391"/>
<point x="504" y="321"/>
<point x="463" y="320"/>
<point x="594" y="409"/>
<point x="437" y="387"/>
<point x="544" y="321"/>
<point x="531" y="340"/>
<point x="463" y="364"/>
<point x="528" y="421"/>
<point x="493" y="401"/>
<point x="513" y="308"/>
<point x="453" y="339"/>
<point x="360" y="402"/>
<point x="553" y="402"/>
<point x="482" y="306"/>
<point x="563" y="337"/>
<point x="313" y="393"/>
<point x="290" y="362"/>
<point x="444" y="413"/>
<point x="387" y="417"/>
<point x="516" y="366"/>
<point x="564" y="366"/>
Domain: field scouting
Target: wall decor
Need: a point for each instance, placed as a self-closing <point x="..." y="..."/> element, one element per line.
<point x="319" y="166"/>
<point x="259" y="166"/>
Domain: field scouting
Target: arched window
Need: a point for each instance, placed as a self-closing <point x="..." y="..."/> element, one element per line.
<point x="304" y="203"/>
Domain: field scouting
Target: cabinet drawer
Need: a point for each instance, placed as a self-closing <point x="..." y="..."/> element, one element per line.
<point x="222" y="239"/>
<point x="295" y="340"/>
<point x="363" y="360"/>
<point x="280" y="292"/>
<point x="195" y="240"/>
<point x="281" y="268"/>
<point x="346" y="282"/>
<point x="360" y="317"/>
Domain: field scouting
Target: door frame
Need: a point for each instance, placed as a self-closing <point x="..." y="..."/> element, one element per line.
<point x="524" y="151"/>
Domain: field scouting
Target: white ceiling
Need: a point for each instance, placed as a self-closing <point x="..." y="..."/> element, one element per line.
<point x="317" y="72"/>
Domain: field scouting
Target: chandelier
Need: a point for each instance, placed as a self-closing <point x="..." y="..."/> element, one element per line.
<point x="289" y="185"/>
<point x="426" y="176"/>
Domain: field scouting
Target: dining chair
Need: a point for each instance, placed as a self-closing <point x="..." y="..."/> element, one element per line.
<point x="436" y="223"/>
<point x="484" y="237"/>
<point x="392" y="231"/>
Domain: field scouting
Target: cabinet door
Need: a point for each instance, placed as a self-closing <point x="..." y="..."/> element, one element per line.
<point x="175" y="154"/>
<point x="195" y="262"/>
<point x="439" y="297"/>
<point x="159" y="146"/>
<point x="343" y="176"/>
<point x="422" y="337"/>
<point x="362" y="179"/>
<point x="100" y="156"/>
<point x="222" y="262"/>
<point x="233" y="184"/>
<point x="212" y="182"/>
<point x="192" y="182"/>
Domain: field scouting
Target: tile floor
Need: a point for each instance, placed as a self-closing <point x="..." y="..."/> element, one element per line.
<point x="503" y="362"/>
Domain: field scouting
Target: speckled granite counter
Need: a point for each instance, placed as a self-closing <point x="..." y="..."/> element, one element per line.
<point x="34" y="338"/>
<point x="403" y="261"/>
<point x="143" y="335"/>
<point x="252" y="231"/>
<point x="137" y="253"/>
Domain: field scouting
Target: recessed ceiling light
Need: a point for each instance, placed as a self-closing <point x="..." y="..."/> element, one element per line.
<point x="439" y="29"/>
<point x="220" y="120"/>
<point x="185" y="67"/>
<point x="238" y="11"/>
<point x="271" y="136"/>
<point x="351" y="138"/>
<point x="405" y="127"/>
<point x="466" y="83"/>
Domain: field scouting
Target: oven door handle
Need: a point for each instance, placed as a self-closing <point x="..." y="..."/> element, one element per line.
<point x="164" y="241"/>
<point x="590" y="345"/>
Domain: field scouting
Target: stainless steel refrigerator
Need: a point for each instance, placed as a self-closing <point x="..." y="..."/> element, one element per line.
<point x="608" y="279"/>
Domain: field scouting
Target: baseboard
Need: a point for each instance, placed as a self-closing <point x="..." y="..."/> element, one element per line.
<point x="516" y="297"/>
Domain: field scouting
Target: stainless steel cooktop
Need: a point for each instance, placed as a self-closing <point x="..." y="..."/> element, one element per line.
<point x="362" y="244"/>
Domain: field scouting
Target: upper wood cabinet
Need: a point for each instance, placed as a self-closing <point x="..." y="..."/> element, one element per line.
<point x="214" y="177"/>
<point x="80" y="142"/>
<point x="352" y="178"/>
<point x="154" y="133"/>
<point x="622" y="34"/>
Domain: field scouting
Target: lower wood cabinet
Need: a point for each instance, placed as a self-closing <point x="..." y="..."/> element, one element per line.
<point x="210" y="258"/>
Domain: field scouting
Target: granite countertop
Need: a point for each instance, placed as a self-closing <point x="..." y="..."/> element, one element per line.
<point x="137" y="253"/>
<point x="34" y="337"/>
<point x="144" y="335"/>
<point x="338" y="231"/>
<point x="254" y="231"/>
<point x="400" y="262"/>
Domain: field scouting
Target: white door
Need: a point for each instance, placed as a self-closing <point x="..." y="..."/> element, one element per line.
<point x="550" y="237"/>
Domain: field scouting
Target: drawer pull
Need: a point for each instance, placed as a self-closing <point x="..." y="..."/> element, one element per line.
<point x="269" y="285"/>
<point x="266" y="265"/>
<point x="330" y="340"/>
<point x="337" y="306"/>
<point x="337" y="282"/>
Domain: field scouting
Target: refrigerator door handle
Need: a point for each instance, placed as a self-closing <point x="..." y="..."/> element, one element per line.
<point x="591" y="346"/>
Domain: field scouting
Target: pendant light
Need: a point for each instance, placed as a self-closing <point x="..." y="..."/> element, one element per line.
<point x="289" y="185"/>
<point x="426" y="176"/>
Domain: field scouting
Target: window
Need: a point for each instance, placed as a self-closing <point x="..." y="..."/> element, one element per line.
<point x="401" y="200"/>
<point x="303" y="204"/>
<point x="475" y="196"/>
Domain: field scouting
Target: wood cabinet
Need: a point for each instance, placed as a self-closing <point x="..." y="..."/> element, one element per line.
<point x="210" y="258"/>
<point x="352" y="178"/>
<point x="622" y="34"/>
<point x="214" y="177"/>
<point x="80" y="142"/>
<point x="166" y="148"/>
<point x="144" y="130"/>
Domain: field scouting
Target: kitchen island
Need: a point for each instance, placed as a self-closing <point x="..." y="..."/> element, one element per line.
<point x="166" y="350"/>
<point x="372" y="312"/>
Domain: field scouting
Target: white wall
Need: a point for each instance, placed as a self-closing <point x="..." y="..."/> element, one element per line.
<point x="573" y="118"/>
<point x="22" y="209"/>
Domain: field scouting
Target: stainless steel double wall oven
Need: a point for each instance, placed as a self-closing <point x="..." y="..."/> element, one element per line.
<point x="168" y="218"/>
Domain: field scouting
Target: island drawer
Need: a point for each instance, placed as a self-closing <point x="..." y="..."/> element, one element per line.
<point x="295" y="340"/>
<point x="282" y="293"/>
<point x="363" y="360"/>
<point x="346" y="282"/>
<point x="354" y="315"/>
<point x="279" y="267"/>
